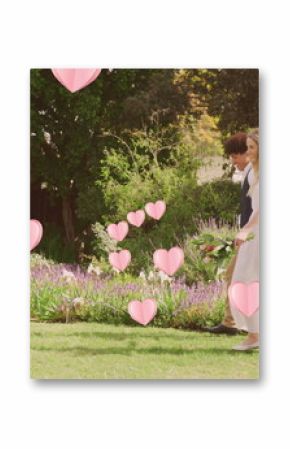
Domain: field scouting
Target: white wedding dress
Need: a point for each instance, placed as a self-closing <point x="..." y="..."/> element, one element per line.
<point x="247" y="264"/>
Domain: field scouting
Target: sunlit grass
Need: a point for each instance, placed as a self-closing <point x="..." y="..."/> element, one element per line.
<point x="100" y="351"/>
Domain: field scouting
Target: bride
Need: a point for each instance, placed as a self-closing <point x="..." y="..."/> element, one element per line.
<point x="247" y="265"/>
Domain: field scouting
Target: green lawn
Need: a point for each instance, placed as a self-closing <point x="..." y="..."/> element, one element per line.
<point x="100" y="351"/>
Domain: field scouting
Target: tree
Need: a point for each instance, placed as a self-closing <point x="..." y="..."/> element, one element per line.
<point x="231" y="95"/>
<point x="63" y="137"/>
<point x="69" y="133"/>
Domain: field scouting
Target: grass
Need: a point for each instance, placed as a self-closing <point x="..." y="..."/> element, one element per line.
<point x="101" y="351"/>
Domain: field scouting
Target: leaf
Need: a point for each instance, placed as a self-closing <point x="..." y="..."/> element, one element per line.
<point x="208" y="237"/>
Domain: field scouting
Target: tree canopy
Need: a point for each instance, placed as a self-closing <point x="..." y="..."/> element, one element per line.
<point x="165" y="118"/>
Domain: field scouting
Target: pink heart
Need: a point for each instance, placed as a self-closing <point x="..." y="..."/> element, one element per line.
<point x="76" y="79"/>
<point x="155" y="210"/>
<point x="118" y="231"/>
<point x="245" y="297"/>
<point x="36" y="232"/>
<point x="136" y="218"/>
<point x="168" y="261"/>
<point x="142" y="312"/>
<point x="120" y="260"/>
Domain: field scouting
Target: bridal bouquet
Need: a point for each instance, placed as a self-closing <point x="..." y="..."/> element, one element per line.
<point x="213" y="247"/>
<point x="216" y="250"/>
<point x="216" y="247"/>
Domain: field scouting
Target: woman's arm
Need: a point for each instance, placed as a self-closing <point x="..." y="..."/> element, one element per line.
<point x="246" y="230"/>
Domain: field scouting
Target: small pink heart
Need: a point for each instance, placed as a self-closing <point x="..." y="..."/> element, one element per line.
<point x="136" y="218"/>
<point x="118" y="231"/>
<point x="142" y="312"/>
<point x="36" y="232"/>
<point x="120" y="260"/>
<point x="155" y="210"/>
<point x="245" y="297"/>
<point x="76" y="79"/>
<point x="168" y="261"/>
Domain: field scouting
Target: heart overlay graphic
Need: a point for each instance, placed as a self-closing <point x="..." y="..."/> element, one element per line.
<point x="142" y="312"/>
<point x="245" y="297"/>
<point x="155" y="210"/>
<point x="136" y="218"/>
<point x="118" y="231"/>
<point x="75" y="79"/>
<point x="120" y="260"/>
<point x="36" y="232"/>
<point x="168" y="261"/>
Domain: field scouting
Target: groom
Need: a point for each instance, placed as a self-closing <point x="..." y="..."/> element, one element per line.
<point x="235" y="149"/>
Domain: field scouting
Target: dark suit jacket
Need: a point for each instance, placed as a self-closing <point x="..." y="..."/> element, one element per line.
<point x="246" y="208"/>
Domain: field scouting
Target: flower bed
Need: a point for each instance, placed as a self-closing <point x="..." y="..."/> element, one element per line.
<point x="62" y="292"/>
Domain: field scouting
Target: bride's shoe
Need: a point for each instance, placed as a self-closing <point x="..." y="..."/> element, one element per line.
<point x="246" y="346"/>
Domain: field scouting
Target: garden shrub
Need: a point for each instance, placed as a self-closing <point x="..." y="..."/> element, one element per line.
<point x="219" y="199"/>
<point x="200" y="316"/>
<point x="216" y="202"/>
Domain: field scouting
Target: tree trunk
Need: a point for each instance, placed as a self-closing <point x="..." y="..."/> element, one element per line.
<point x="67" y="216"/>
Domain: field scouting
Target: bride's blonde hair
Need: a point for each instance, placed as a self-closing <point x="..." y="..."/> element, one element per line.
<point x="254" y="135"/>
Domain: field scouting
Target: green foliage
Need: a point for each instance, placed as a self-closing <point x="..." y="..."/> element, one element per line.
<point x="230" y="95"/>
<point x="103" y="244"/>
<point x="201" y="134"/>
<point x="53" y="247"/>
<point x="62" y="131"/>
<point x="45" y="302"/>
<point x="137" y="173"/>
<point x="200" y="316"/>
<point x="39" y="261"/>
<point x="219" y="199"/>
<point x="187" y="207"/>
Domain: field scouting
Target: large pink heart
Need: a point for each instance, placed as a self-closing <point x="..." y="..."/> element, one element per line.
<point x="76" y="79"/>
<point x="156" y="210"/>
<point x="36" y="232"/>
<point x="168" y="261"/>
<point x="120" y="260"/>
<point x="142" y="312"/>
<point x="136" y="218"/>
<point x="118" y="231"/>
<point x="245" y="297"/>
